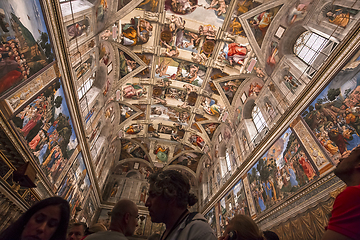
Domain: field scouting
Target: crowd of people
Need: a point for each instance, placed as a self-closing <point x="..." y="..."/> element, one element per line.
<point x="168" y="200"/>
<point x="13" y="64"/>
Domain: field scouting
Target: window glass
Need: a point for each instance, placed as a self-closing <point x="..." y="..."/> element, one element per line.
<point x="258" y="119"/>
<point x="223" y="167"/>
<point x="228" y="163"/>
<point x="85" y="87"/>
<point x="308" y="46"/>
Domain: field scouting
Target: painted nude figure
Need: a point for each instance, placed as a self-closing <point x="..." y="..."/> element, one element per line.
<point x="222" y="7"/>
<point x="162" y="68"/>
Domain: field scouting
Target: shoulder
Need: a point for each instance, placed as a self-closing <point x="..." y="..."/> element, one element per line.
<point x="95" y="236"/>
<point x="199" y="216"/>
<point x="345" y="216"/>
<point x="109" y="235"/>
<point x="199" y="228"/>
<point x="347" y="201"/>
<point x="349" y="193"/>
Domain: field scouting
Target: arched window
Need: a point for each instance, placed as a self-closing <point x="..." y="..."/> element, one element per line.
<point x="205" y="188"/>
<point x="228" y="162"/>
<point x="85" y="87"/>
<point x="233" y="157"/>
<point x="308" y="46"/>
<point x="313" y="49"/>
<point x="258" y="119"/>
<point x="210" y="187"/>
<point x="223" y="167"/>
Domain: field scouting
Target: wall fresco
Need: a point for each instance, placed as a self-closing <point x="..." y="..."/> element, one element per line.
<point x="333" y="115"/>
<point x="280" y="172"/>
<point x="25" y="45"/>
<point x="76" y="184"/>
<point x="45" y="125"/>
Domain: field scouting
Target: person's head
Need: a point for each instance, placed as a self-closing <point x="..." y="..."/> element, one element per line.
<point x="46" y="220"/>
<point x="124" y="217"/>
<point x="168" y="190"/>
<point x="76" y="231"/>
<point x="270" y="235"/>
<point x="242" y="227"/>
<point x="348" y="168"/>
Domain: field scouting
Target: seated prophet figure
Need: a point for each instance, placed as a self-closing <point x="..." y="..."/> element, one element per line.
<point x="77" y="29"/>
<point x="261" y="21"/>
<point x="235" y="53"/>
<point x="210" y="107"/>
<point x="338" y="17"/>
<point x="133" y="129"/>
<point x="137" y="32"/>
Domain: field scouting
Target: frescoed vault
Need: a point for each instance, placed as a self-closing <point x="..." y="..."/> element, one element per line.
<point x="253" y="100"/>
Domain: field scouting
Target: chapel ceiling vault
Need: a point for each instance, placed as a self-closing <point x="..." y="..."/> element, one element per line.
<point x="167" y="78"/>
<point x="253" y="100"/>
<point x="158" y="80"/>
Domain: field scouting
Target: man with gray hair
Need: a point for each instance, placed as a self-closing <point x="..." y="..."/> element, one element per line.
<point x="124" y="220"/>
<point x="168" y="200"/>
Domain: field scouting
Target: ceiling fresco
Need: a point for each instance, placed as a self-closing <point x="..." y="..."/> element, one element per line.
<point x="172" y="84"/>
<point x="168" y="72"/>
<point x="240" y="96"/>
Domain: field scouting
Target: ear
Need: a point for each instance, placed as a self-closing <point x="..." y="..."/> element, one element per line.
<point x="127" y="217"/>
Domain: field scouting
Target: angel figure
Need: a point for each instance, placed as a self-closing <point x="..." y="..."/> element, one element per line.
<point x="218" y="5"/>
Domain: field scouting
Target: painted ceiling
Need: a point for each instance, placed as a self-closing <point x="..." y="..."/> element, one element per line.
<point x="168" y="76"/>
<point x="191" y="85"/>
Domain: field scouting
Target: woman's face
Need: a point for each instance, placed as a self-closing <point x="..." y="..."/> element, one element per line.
<point x="43" y="224"/>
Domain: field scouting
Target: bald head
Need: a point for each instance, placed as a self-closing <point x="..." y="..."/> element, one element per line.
<point x="124" y="217"/>
<point x="121" y="207"/>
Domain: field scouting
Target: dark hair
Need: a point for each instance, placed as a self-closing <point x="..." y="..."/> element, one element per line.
<point x="14" y="231"/>
<point x="173" y="184"/>
<point x="85" y="227"/>
<point x="270" y="235"/>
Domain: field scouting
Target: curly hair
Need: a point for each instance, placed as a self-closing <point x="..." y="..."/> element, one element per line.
<point x="173" y="184"/>
<point x="14" y="231"/>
